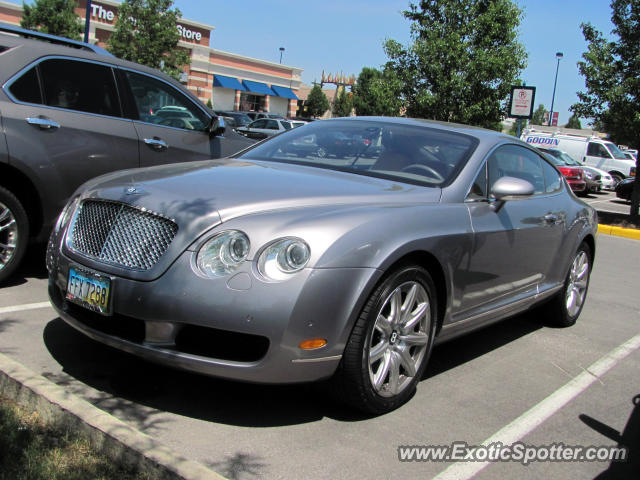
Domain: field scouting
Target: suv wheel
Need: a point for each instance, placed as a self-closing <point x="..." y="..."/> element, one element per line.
<point x="14" y="233"/>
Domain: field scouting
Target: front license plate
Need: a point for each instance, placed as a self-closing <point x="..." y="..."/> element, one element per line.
<point x="89" y="290"/>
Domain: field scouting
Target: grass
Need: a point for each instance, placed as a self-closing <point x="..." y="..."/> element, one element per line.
<point x="33" y="450"/>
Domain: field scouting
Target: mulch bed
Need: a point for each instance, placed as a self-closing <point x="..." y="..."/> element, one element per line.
<point x="616" y="220"/>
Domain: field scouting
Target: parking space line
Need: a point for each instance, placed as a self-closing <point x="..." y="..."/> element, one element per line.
<point x="538" y="414"/>
<point x="25" y="306"/>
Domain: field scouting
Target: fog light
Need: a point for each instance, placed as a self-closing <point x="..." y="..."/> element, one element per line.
<point x="313" y="343"/>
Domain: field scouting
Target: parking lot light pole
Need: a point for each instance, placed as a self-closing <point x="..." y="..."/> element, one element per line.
<point x="281" y="51"/>
<point x="553" y="97"/>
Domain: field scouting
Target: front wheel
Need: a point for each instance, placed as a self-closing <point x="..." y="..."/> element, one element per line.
<point x="14" y="233"/>
<point x="565" y="308"/>
<point x="390" y="344"/>
<point x="617" y="178"/>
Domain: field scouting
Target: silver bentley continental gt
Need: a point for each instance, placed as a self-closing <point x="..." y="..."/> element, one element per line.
<point x="342" y="249"/>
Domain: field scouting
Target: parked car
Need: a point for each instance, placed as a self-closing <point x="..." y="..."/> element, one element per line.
<point x="592" y="179"/>
<point x="241" y="119"/>
<point x="273" y="269"/>
<point x="574" y="175"/>
<point x="71" y="111"/>
<point x="606" y="181"/>
<point x="624" y="189"/>
<point x="259" y="115"/>
<point x="265" y="127"/>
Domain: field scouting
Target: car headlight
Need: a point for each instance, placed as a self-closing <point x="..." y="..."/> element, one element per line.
<point x="67" y="211"/>
<point x="283" y="258"/>
<point x="223" y="253"/>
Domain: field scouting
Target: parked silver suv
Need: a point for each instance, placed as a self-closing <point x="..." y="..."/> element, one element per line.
<point x="70" y="112"/>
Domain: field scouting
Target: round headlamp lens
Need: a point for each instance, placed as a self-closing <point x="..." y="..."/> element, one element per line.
<point x="283" y="257"/>
<point x="223" y="253"/>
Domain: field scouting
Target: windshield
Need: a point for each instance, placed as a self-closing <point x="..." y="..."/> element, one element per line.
<point x="615" y="151"/>
<point x="414" y="154"/>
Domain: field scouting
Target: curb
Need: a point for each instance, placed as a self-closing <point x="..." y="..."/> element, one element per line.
<point x="119" y="441"/>
<point x="619" y="231"/>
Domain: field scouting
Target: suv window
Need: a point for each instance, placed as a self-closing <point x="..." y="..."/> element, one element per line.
<point x="518" y="162"/>
<point x="597" y="150"/>
<point x="27" y="88"/>
<point x="158" y="102"/>
<point x="81" y="86"/>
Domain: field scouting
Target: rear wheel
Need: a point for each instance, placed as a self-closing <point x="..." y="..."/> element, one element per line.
<point x="617" y="178"/>
<point x="565" y="308"/>
<point x="390" y="344"/>
<point x="14" y="233"/>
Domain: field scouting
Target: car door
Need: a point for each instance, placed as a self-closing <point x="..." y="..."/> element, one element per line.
<point x="257" y="129"/>
<point x="172" y="127"/>
<point x="515" y="242"/>
<point x="597" y="156"/>
<point x="65" y="125"/>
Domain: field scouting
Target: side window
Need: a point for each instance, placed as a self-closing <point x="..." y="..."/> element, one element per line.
<point x="552" y="179"/>
<point x="479" y="187"/>
<point x="81" y="86"/>
<point x="159" y="102"/>
<point x="27" y="88"/>
<point x="259" y="124"/>
<point x="518" y="162"/>
<point x="272" y="125"/>
<point x="597" y="150"/>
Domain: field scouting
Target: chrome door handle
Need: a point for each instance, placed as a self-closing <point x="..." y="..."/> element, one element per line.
<point x="551" y="218"/>
<point x="43" y="123"/>
<point x="156" y="143"/>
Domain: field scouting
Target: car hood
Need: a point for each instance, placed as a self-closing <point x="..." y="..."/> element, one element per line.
<point x="200" y="195"/>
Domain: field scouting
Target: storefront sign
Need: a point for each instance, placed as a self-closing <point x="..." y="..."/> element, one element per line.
<point x="102" y="13"/>
<point x="189" y="34"/>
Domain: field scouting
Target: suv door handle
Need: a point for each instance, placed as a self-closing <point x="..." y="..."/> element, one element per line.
<point x="156" y="143"/>
<point x="43" y="123"/>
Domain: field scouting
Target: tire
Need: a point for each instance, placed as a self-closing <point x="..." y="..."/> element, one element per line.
<point x="565" y="308"/>
<point x="383" y="361"/>
<point x="617" y="178"/>
<point x="14" y="233"/>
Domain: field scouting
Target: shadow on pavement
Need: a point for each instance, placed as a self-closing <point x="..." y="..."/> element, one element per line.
<point x="137" y="390"/>
<point x="32" y="266"/>
<point x="629" y="438"/>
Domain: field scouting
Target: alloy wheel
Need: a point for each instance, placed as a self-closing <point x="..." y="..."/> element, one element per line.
<point x="8" y="235"/>
<point x="578" y="281"/>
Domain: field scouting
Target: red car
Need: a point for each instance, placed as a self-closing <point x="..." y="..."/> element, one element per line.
<point x="574" y="175"/>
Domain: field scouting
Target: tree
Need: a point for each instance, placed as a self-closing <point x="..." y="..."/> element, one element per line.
<point x="56" y="17"/>
<point x="317" y="102"/>
<point x="342" y="104"/>
<point x="612" y="79"/>
<point x="377" y="92"/>
<point x="514" y="128"/>
<point x="146" y="32"/>
<point x="538" y="115"/>
<point x="462" y="62"/>
<point x="574" y="122"/>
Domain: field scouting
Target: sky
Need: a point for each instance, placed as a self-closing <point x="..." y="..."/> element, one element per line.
<point x="340" y="36"/>
<point x="344" y="36"/>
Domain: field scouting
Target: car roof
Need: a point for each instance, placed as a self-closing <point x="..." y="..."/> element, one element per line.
<point x="23" y="51"/>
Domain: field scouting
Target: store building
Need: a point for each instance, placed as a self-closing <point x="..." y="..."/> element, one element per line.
<point x="230" y="81"/>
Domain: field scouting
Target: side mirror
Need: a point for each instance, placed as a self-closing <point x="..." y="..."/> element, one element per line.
<point x="217" y="127"/>
<point x="511" y="188"/>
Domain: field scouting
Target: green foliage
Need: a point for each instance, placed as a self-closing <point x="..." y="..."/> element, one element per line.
<point x="342" y="104"/>
<point x="377" y="93"/>
<point x="209" y="104"/>
<point x="612" y="79"/>
<point x="55" y="17"/>
<point x="462" y="62"/>
<point x="514" y="128"/>
<point x="574" y="122"/>
<point x="538" y="115"/>
<point x="146" y="32"/>
<point x="317" y="102"/>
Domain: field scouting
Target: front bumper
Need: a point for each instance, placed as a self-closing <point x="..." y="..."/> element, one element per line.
<point x="239" y="327"/>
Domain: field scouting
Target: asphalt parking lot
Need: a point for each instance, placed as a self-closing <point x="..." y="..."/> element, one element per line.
<point x="607" y="201"/>
<point x="474" y="388"/>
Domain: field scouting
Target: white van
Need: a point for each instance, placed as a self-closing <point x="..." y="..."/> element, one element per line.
<point x="591" y="151"/>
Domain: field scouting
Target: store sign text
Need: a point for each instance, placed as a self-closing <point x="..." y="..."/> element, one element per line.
<point x="102" y="13"/>
<point x="189" y="34"/>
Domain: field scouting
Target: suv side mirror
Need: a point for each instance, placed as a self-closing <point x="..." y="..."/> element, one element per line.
<point x="217" y="127"/>
<point x="511" y="188"/>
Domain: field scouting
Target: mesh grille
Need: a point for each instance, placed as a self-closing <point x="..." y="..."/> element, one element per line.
<point x="122" y="235"/>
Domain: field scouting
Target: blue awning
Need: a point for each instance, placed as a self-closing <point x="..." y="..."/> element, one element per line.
<point x="284" y="92"/>
<point x="257" y="87"/>
<point x="227" y="82"/>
